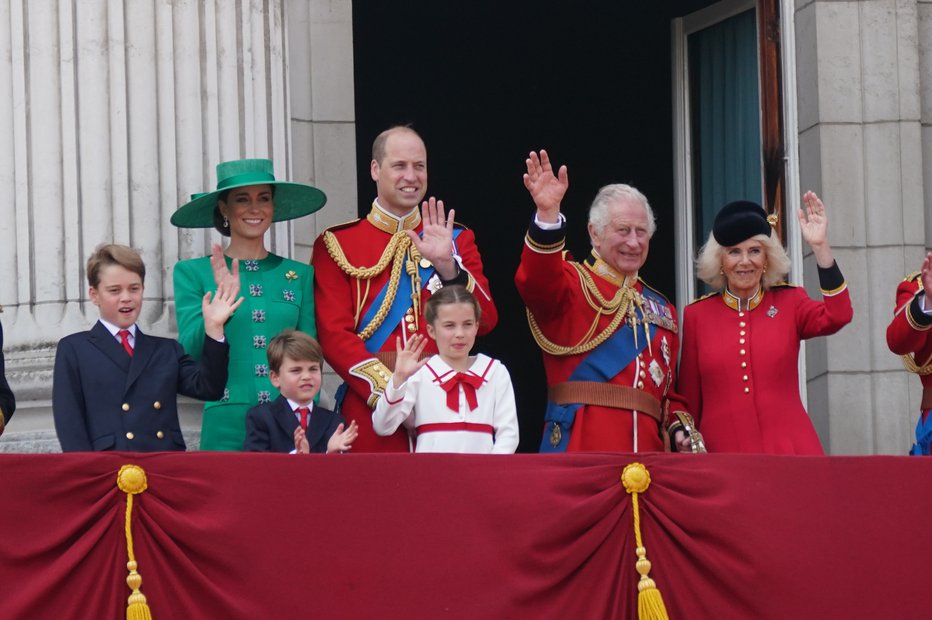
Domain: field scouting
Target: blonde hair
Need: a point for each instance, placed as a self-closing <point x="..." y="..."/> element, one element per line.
<point x="709" y="262"/>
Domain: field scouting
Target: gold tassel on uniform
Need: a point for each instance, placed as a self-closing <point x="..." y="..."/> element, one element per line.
<point x="132" y="481"/>
<point x="636" y="479"/>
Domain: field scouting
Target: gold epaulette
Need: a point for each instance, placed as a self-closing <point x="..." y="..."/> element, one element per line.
<point x="646" y="285"/>
<point x="913" y="276"/>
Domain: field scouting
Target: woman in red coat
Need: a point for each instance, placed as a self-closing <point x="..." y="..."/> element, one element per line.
<point x="739" y="370"/>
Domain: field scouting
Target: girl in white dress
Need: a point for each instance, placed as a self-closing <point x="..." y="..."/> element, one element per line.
<point x="451" y="401"/>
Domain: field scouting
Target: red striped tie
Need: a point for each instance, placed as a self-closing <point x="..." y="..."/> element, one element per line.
<point x="124" y="338"/>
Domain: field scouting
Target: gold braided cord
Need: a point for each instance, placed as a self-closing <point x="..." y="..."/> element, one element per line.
<point x="411" y="267"/>
<point x="394" y="252"/>
<point x="621" y="305"/>
<point x="401" y="248"/>
<point x="909" y="361"/>
<point x="582" y="346"/>
<point x="363" y="273"/>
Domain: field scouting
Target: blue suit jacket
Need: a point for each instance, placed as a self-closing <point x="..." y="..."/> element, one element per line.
<point x="7" y="402"/>
<point x="270" y="427"/>
<point x="103" y="399"/>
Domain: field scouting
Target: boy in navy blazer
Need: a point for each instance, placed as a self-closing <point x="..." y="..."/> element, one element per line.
<point x="116" y="388"/>
<point x="292" y="422"/>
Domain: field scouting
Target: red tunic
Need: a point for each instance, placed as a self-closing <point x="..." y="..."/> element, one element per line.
<point x="553" y="292"/>
<point x="910" y="332"/>
<point x="341" y="302"/>
<point x="739" y="371"/>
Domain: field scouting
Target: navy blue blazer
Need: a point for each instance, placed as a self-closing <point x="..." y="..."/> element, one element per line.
<point x="103" y="399"/>
<point x="270" y="427"/>
<point x="7" y="402"/>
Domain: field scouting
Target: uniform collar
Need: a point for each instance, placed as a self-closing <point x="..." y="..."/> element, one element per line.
<point x="391" y="223"/>
<point x="734" y="302"/>
<point x="599" y="267"/>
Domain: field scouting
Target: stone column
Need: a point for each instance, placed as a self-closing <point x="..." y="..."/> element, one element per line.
<point x="323" y="120"/>
<point x="861" y="148"/>
<point x="112" y="113"/>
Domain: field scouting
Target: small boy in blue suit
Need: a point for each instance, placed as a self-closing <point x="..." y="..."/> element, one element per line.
<point x="292" y="422"/>
<point x="116" y="388"/>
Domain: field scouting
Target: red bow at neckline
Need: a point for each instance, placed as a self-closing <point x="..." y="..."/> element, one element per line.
<point x="469" y="382"/>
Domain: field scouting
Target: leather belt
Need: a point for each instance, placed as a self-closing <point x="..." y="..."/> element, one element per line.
<point x="926" y="397"/>
<point x="605" y="395"/>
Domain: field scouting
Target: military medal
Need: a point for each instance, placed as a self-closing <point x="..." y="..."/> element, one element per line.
<point x="656" y="372"/>
<point x="556" y="435"/>
<point x="772" y="312"/>
<point x="665" y="349"/>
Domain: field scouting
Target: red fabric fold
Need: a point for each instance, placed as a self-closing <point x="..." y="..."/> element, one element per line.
<point x="465" y="536"/>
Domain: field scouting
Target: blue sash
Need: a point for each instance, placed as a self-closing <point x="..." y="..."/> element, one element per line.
<point x="397" y="311"/>
<point x="395" y="315"/>
<point x="923" y="445"/>
<point x="604" y="362"/>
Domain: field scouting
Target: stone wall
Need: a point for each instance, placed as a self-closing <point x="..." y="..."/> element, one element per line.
<point x="113" y="114"/>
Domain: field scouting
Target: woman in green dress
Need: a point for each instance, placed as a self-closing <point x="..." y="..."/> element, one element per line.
<point x="277" y="290"/>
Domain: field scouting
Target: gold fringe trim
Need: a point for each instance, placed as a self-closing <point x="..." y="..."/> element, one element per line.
<point x="132" y="481"/>
<point x="635" y="478"/>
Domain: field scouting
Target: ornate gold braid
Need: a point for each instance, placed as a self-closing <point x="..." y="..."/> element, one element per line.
<point x="363" y="273"/>
<point x="621" y="305"/>
<point x="909" y="361"/>
<point x="396" y="249"/>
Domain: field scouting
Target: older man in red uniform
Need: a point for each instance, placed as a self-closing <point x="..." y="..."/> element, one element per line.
<point x="609" y="341"/>
<point x="373" y="275"/>
<point x="910" y="335"/>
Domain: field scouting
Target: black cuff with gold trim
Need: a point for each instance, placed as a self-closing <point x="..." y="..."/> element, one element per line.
<point x="461" y="278"/>
<point x="831" y="280"/>
<point x="916" y="317"/>
<point x="546" y="241"/>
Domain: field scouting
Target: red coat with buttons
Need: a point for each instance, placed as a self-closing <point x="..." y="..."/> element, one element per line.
<point x="739" y="370"/>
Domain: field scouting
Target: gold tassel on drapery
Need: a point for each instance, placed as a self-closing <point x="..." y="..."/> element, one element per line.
<point x="636" y="479"/>
<point x="132" y="481"/>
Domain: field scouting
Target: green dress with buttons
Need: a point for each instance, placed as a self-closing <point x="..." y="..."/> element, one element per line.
<point x="277" y="296"/>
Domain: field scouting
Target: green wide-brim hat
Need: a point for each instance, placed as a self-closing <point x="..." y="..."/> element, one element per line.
<point x="291" y="199"/>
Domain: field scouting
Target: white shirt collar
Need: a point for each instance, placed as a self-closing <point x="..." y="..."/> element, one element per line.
<point x="115" y="331"/>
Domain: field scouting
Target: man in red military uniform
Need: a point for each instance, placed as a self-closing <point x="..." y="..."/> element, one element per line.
<point x="372" y="277"/>
<point x="910" y="335"/>
<point x="609" y="341"/>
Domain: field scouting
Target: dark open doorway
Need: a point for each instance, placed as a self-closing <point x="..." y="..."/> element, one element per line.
<point x="484" y="83"/>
